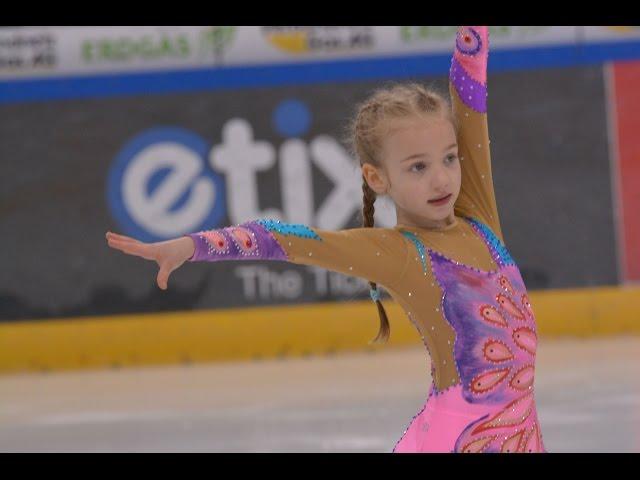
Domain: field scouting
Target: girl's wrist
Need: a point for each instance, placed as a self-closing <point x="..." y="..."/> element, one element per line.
<point x="187" y="247"/>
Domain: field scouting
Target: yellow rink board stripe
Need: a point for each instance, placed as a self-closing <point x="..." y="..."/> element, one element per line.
<point x="276" y="331"/>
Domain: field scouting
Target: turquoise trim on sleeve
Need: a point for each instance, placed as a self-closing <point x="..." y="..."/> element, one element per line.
<point x="296" y="229"/>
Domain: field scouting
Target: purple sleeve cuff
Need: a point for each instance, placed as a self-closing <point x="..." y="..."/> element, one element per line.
<point x="468" y="72"/>
<point x="197" y="241"/>
<point x="247" y="241"/>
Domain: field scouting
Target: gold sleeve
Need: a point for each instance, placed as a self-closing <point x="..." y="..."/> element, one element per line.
<point x="374" y="254"/>
<point x="468" y="89"/>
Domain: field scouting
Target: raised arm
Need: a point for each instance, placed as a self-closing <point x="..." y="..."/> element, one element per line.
<point x="375" y="254"/>
<point x="468" y="89"/>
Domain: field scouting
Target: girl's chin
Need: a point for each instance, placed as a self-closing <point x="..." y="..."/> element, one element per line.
<point x="440" y="213"/>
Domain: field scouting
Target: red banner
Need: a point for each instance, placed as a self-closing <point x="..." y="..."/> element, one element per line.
<point x="625" y="117"/>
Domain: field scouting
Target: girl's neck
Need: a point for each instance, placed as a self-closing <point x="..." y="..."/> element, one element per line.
<point x="444" y="224"/>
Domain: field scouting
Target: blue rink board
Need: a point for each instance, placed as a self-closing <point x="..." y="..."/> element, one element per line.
<point x="396" y="67"/>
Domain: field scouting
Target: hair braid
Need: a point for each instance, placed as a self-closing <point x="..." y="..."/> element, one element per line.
<point x="365" y="135"/>
<point x="368" y="209"/>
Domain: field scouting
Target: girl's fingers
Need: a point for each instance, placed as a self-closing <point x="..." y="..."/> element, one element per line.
<point x="121" y="245"/>
<point x="111" y="235"/>
<point x="163" y="278"/>
<point x="131" y="248"/>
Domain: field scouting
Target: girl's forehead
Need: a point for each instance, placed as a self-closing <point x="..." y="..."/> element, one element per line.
<point x="418" y="124"/>
<point x="428" y="131"/>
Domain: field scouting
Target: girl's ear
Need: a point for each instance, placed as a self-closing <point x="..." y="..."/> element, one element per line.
<point x="375" y="178"/>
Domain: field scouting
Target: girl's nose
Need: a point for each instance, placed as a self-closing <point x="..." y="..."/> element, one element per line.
<point x="440" y="179"/>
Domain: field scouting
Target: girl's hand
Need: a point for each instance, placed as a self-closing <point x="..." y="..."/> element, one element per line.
<point x="169" y="254"/>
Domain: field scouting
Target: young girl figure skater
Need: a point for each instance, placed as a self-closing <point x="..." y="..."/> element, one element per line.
<point x="445" y="261"/>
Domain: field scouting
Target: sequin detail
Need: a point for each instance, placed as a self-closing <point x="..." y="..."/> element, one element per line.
<point x="419" y="247"/>
<point x="494" y="353"/>
<point x="468" y="41"/>
<point x="468" y="72"/>
<point x="249" y="240"/>
<point x="245" y="240"/>
<point x="216" y="241"/>
<point x="472" y="93"/>
<point x="498" y="251"/>
<point x="474" y="60"/>
<point x="296" y="229"/>
<point x="469" y="305"/>
<point x="504" y="283"/>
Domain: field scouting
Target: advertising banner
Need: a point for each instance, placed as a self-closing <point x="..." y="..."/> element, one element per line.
<point x="158" y="166"/>
<point x="79" y="51"/>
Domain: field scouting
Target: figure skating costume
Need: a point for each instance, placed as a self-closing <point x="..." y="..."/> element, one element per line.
<point x="458" y="285"/>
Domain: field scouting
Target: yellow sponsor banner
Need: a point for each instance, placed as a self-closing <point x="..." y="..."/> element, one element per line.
<point x="272" y="332"/>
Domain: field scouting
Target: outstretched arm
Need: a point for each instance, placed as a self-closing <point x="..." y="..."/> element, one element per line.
<point x="375" y="254"/>
<point x="468" y="89"/>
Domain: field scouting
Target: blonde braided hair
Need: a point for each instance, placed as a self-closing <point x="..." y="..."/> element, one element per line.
<point x="365" y="135"/>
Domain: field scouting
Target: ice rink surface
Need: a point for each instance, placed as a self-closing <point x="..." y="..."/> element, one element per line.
<point x="587" y="394"/>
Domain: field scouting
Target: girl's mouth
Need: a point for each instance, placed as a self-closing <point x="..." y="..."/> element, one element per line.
<point x="441" y="201"/>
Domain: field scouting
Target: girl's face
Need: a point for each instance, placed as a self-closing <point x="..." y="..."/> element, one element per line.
<point x="420" y="164"/>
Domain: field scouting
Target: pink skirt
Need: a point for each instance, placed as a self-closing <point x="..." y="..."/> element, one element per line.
<point x="439" y="424"/>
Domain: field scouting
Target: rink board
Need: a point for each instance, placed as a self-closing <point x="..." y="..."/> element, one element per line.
<point x="272" y="332"/>
<point x="68" y="301"/>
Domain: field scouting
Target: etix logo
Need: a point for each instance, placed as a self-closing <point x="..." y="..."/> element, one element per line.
<point x="168" y="181"/>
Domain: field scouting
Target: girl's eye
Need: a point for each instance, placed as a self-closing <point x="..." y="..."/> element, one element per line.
<point x="452" y="158"/>
<point x="419" y="164"/>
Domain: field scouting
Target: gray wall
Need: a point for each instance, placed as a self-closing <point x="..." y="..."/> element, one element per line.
<point x="550" y="167"/>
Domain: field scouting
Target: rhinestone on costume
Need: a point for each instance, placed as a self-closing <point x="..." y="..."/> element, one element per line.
<point x="468" y="41"/>
<point x="244" y="239"/>
<point x="216" y="241"/>
<point x="296" y="229"/>
<point x="498" y="250"/>
<point x="463" y="83"/>
<point x="419" y="247"/>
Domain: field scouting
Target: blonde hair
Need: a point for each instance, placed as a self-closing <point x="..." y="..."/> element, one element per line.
<point x="366" y="133"/>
